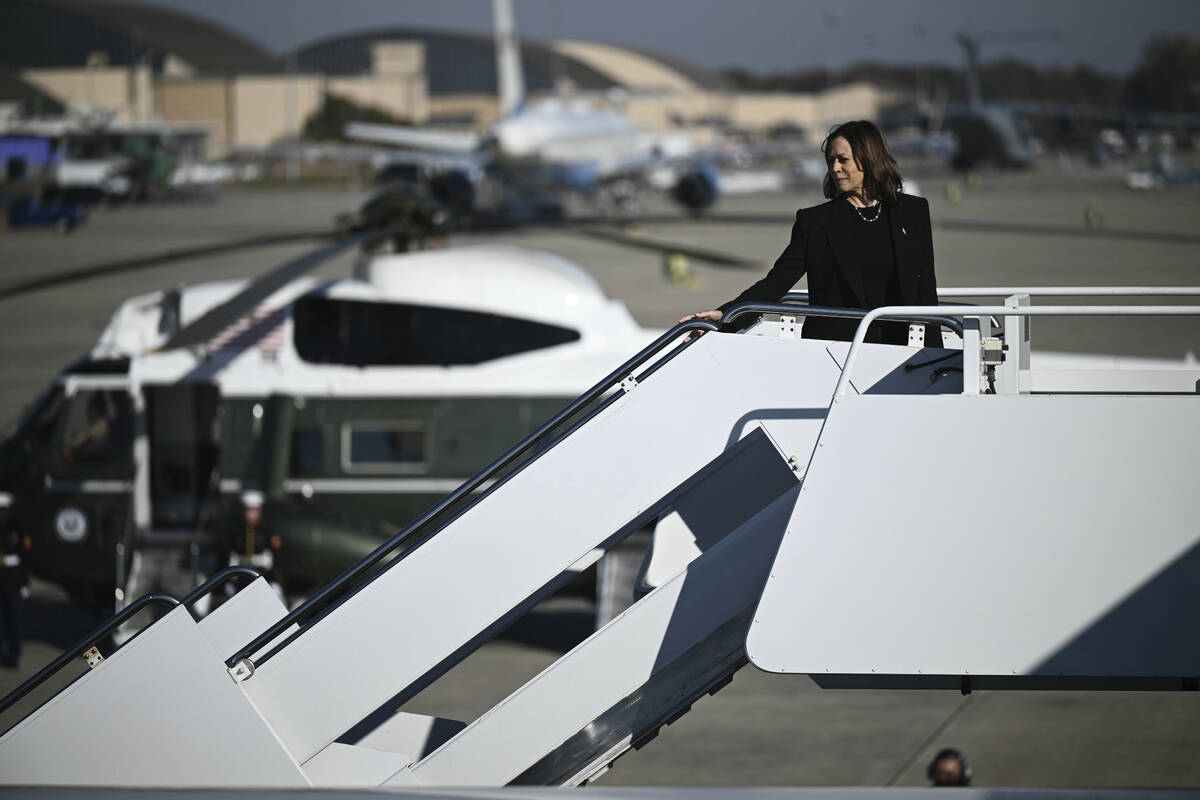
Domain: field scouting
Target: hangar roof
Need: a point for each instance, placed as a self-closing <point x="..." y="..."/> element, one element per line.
<point x="456" y="63"/>
<point x="64" y="33"/>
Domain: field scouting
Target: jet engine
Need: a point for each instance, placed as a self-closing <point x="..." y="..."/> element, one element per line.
<point x="697" y="189"/>
<point x="454" y="189"/>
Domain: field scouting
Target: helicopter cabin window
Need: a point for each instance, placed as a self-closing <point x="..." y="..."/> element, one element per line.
<point x="384" y="447"/>
<point x="330" y="331"/>
<point x="308" y="453"/>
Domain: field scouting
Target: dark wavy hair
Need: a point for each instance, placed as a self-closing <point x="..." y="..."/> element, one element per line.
<point x="881" y="176"/>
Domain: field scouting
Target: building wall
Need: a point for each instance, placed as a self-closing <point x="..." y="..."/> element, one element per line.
<point x="759" y="111"/>
<point x="668" y="95"/>
<point x="627" y="68"/>
<point x="484" y="108"/>
<point x="397" y="83"/>
<point x="853" y="101"/>
<point x="255" y="111"/>
<point x="400" y="58"/>
<point x="269" y="109"/>
<point x="244" y="112"/>
<point x="199" y="101"/>
<point x="404" y="97"/>
<point x="665" y="111"/>
<point x="127" y="91"/>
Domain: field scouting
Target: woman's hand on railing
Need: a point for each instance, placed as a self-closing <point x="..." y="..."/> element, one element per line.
<point x="711" y="316"/>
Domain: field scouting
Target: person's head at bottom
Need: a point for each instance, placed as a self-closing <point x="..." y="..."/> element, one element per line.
<point x="949" y="768"/>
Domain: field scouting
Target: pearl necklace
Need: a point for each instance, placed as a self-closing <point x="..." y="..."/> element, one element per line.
<point x="878" y="210"/>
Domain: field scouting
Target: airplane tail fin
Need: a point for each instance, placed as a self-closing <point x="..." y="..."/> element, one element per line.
<point x="508" y="59"/>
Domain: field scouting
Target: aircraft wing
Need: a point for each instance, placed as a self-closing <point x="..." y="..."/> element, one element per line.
<point x="455" y="142"/>
<point x="428" y="161"/>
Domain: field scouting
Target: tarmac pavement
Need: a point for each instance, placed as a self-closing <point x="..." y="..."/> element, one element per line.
<point x="762" y="729"/>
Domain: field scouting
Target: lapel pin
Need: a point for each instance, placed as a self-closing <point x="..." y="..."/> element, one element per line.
<point x="903" y="231"/>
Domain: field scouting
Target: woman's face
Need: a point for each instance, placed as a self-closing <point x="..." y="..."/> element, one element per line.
<point x="846" y="174"/>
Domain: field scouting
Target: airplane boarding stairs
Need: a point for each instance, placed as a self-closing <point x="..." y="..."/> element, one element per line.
<point x="735" y="440"/>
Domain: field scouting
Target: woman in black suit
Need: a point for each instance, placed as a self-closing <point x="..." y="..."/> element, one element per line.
<point x="869" y="246"/>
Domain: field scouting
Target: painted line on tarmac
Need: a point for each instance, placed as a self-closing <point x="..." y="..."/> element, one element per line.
<point x="20" y="287"/>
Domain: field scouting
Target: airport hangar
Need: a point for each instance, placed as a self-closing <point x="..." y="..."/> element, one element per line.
<point x="140" y="63"/>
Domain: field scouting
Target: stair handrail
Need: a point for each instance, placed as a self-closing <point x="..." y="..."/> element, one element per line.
<point x="77" y="649"/>
<point x="224" y="576"/>
<point x="742" y="309"/>
<point x="333" y="592"/>
<point x="116" y="621"/>
<point x="329" y="594"/>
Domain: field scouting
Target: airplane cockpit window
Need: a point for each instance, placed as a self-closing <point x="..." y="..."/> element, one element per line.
<point x="331" y="331"/>
<point x="383" y="447"/>
<point x="97" y="427"/>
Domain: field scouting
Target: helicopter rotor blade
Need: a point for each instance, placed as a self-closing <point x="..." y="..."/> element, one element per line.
<point x="714" y="257"/>
<point x="218" y="318"/>
<point x="154" y="260"/>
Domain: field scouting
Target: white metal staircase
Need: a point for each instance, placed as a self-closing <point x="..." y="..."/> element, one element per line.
<point x="873" y="478"/>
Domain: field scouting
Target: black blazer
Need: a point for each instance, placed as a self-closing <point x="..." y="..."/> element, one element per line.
<point x="823" y="245"/>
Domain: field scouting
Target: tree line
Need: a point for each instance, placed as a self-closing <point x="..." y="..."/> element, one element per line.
<point x="1165" y="78"/>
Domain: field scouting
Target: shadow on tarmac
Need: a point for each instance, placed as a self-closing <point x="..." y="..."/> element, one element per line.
<point x="553" y="630"/>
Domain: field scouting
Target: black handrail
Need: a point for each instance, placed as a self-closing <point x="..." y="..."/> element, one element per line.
<point x="328" y="595"/>
<point x="216" y="580"/>
<point x="116" y="620"/>
<point x="741" y="309"/>
<point x="83" y="644"/>
<point x="802" y="297"/>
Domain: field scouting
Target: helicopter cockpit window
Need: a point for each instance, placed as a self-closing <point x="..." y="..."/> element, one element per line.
<point x="394" y="334"/>
<point x="96" y="427"/>
<point x="383" y="447"/>
<point x="38" y="417"/>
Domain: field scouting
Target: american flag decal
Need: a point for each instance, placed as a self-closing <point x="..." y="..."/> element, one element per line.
<point x="260" y="329"/>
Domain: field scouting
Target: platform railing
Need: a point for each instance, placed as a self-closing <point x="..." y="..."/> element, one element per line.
<point x="919" y="313"/>
<point x="1071" y="291"/>
<point x="1045" y="291"/>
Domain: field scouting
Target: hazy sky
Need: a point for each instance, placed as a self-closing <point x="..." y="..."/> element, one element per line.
<point x="762" y="35"/>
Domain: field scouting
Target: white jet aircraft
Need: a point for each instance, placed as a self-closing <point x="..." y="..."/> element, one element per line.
<point x="552" y="147"/>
